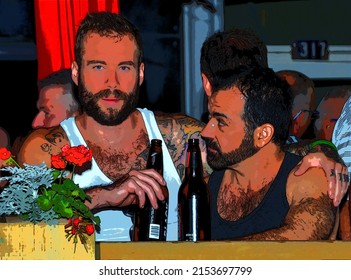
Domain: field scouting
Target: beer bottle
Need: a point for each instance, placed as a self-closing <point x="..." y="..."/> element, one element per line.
<point x="151" y="224"/>
<point x="194" y="199"/>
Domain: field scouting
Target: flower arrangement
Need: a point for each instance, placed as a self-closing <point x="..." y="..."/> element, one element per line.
<point x="37" y="193"/>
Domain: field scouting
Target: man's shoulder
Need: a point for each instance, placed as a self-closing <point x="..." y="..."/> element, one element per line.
<point x="44" y="133"/>
<point x="176" y="129"/>
<point x="178" y="126"/>
<point x="181" y="119"/>
<point x="41" y="143"/>
<point x="312" y="183"/>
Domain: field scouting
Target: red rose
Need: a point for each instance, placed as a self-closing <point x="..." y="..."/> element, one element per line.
<point x="58" y="162"/>
<point x="89" y="228"/>
<point x="4" y="153"/>
<point x="65" y="149"/>
<point x="78" y="155"/>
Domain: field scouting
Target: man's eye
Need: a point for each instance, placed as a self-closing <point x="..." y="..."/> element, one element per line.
<point x="221" y="122"/>
<point x="124" y="68"/>
<point x="98" y="67"/>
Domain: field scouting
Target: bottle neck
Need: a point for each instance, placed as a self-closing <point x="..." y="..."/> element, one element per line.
<point x="194" y="163"/>
<point x="155" y="159"/>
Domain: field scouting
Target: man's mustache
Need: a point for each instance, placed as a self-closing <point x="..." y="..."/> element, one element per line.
<point x="211" y="144"/>
<point x="106" y="93"/>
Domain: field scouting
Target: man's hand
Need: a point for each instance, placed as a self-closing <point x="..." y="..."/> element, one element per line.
<point x="131" y="189"/>
<point x="337" y="176"/>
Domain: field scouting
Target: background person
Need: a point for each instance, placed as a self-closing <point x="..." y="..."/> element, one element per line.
<point x="56" y="100"/>
<point x="227" y="50"/>
<point x="329" y="110"/>
<point x="342" y="139"/>
<point x="303" y="110"/>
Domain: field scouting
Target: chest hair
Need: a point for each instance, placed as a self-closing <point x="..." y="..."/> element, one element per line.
<point x="118" y="161"/>
<point x="235" y="202"/>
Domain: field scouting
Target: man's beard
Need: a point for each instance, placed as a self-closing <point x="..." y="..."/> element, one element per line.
<point x="219" y="160"/>
<point x="89" y="104"/>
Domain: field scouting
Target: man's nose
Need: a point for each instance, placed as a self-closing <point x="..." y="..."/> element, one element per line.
<point x="207" y="131"/>
<point x="112" y="79"/>
<point x="38" y="120"/>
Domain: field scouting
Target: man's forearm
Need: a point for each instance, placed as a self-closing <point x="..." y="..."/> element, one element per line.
<point x="299" y="148"/>
<point x="109" y="196"/>
<point x="304" y="147"/>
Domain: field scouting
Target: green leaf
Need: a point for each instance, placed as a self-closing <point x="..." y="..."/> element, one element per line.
<point x="63" y="211"/>
<point x="55" y="174"/>
<point x="70" y="185"/>
<point x="97" y="220"/>
<point x="44" y="203"/>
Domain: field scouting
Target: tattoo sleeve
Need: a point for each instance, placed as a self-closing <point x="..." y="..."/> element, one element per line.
<point x="302" y="148"/>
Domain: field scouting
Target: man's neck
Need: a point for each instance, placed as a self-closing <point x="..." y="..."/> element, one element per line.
<point x="248" y="181"/>
<point x="96" y="132"/>
<point x="260" y="168"/>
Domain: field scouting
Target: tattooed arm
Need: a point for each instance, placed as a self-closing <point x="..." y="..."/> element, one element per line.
<point x="311" y="215"/>
<point x="40" y="144"/>
<point x="176" y="129"/>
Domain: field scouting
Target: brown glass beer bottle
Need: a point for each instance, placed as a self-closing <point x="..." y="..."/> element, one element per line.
<point x="151" y="224"/>
<point x="194" y="199"/>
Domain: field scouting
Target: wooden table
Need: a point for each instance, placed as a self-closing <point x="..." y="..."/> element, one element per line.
<point x="222" y="250"/>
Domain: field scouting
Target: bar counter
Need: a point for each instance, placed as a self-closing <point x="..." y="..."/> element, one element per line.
<point x="24" y="240"/>
<point x="225" y="250"/>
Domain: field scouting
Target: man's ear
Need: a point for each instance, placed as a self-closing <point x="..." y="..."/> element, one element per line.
<point x="141" y="73"/>
<point x="74" y="69"/>
<point x="263" y="135"/>
<point x="206" y="85"/>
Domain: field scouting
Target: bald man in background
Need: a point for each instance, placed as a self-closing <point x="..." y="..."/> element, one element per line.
<point x="303" y="110"/>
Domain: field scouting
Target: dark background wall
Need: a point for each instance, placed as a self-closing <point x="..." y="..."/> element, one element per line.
<point x="18" y="65"/>
<point x="283" y="22"/>
<point x="159" y="23"/>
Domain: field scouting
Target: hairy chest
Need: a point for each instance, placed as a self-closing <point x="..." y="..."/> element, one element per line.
<point x="118" y="160"/>
<point x="235" y="201"/>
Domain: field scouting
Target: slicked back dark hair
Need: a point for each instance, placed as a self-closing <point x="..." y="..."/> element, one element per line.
<point x="227" y="50"/>
<point x="109" y="25"/>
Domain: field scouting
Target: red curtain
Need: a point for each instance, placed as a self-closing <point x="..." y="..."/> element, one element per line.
<point x="56" y="23"/>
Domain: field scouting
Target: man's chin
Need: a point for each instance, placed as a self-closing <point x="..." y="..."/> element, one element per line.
<point x="214" y="163"/>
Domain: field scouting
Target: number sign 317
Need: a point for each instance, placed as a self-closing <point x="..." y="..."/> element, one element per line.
<point x="310" y="49"/>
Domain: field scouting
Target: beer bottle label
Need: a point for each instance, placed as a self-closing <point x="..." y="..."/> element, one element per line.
<point x="154" y="231"/>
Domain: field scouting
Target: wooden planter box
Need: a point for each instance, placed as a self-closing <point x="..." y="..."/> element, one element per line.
<point x="28" y="241"/>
